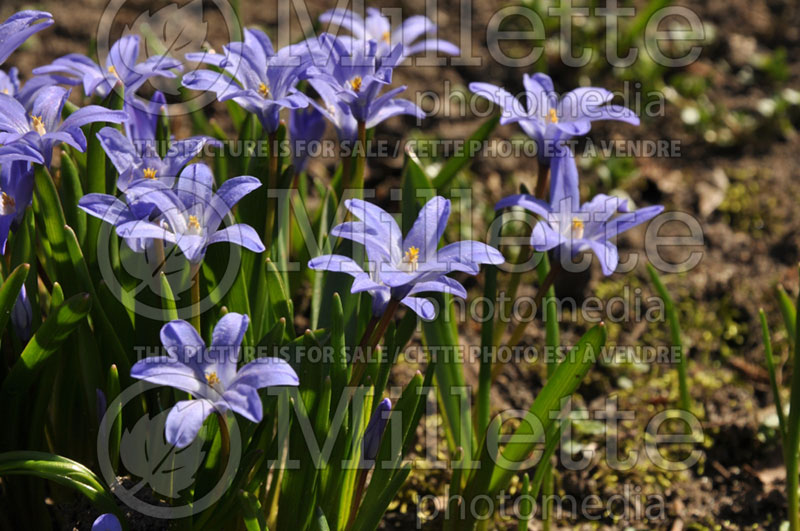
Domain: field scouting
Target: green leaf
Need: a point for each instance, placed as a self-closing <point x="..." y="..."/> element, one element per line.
<point x="563" y="383"/>
<point x="63" y="471"/>
<point x="675" y="335"/>
<point x="167" y="299"/>
<point x="370" y="517"/>
<point x="58" y="326"/>
<point x="112" y="392"/>
<point x="71" y="192"/>
<point x="442" y="335"/>
<point x="789" y="313"/>
<point x="473" y="146"/>
<point x="10" y="291"/>
<point x="252" y="514"/>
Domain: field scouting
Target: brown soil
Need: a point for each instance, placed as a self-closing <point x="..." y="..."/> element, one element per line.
<point x="744" y="194"/>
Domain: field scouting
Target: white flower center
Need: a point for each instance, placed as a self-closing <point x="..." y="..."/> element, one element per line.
<point x="7" y="204"/>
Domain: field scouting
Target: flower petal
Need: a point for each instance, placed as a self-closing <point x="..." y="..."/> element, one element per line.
<point x="184" y="421"/>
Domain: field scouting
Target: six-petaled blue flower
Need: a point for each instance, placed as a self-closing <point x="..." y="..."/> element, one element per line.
<point x="576" y="227"/>
<point x="547" y="119"/>
<point x="400" y="268"/>
<point x="121" y="66"/>
<point x="256" y="77"/>
<point x="210" y="375"/>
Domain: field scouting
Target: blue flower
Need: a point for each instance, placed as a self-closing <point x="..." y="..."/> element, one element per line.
<point x="117" y="212"/>
<point x="568" y="225"/>
<point x="548" y="120"/>
<point x="377" y="27"/>
<point x="256" y="77"/>
<point x="22" y="315"/>
<point x="377" y="424"/>
<point x="106" y="522"/>
<point x="306" y="126"/>
<point x="210" y="375"/>
<point x="25" y="94"/>
<point x="400" y="268"/>
<point x="42" y="128"/>
<point x="135" y="155"/>
<point x="18" y="27"/>
<point x="190" y="215"/>
<point x="352" y="78"/>
<point x="120" y="67"/>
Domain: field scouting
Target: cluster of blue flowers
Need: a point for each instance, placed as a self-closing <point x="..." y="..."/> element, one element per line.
<point x="168" y="200"/>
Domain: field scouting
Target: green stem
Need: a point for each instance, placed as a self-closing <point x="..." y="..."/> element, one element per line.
<point x="380" y="329"/>
<point x="361" y="162"/>
<point x="483" y="409"/>
<point x="272" y="184"/>
<point x="195" y="273"/>
<point x="225" y="442"/>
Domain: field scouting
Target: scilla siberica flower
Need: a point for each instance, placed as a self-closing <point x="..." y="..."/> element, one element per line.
<point x="42" y="128"/>
<point x="135" y="154"/>
<point x="18" y="27"/>
<point x="400" y="268"/>
<point x="573" y="227"/>
<point x="353" y="76"/>
<point x="121" y="66"/>
<point x="256" y="77"/>
<point x="190" y="215"/>
<point x="23" y="93"/>
<point x="377" y="27"/>
<point x="548" y="120"/>
<point x="118" y="212"/>
<point x="210" y="375"/>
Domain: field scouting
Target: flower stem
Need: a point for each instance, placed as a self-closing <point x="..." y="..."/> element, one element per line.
<point x="380" y="329"/>
<point x="195" y="274"/>
<point x="272" y="184"/>
<point x="359" y="492"/>
<point x="541" y="180"/>
<point x="357" y="182"/>
<point x="225" y="442"/>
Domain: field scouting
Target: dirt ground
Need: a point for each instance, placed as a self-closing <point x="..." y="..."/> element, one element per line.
<point x="738" y="174"/>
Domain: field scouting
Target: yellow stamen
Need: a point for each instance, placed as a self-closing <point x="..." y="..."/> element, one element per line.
<point x="356" y="83"/>
<point x="212" y="379"/>
<point x="263" y="89"/>
<point x="113" y="70"/>
<point x="38" y="125"/>
<point x="387" y="37"/>
<point x="194" y="224"/>
<point x="577" y="228"/>
<point x="553" y="116"/>
<point x="5" y="91"/>
<point x="412" y="256"/>
<point x="149" y="173"/>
